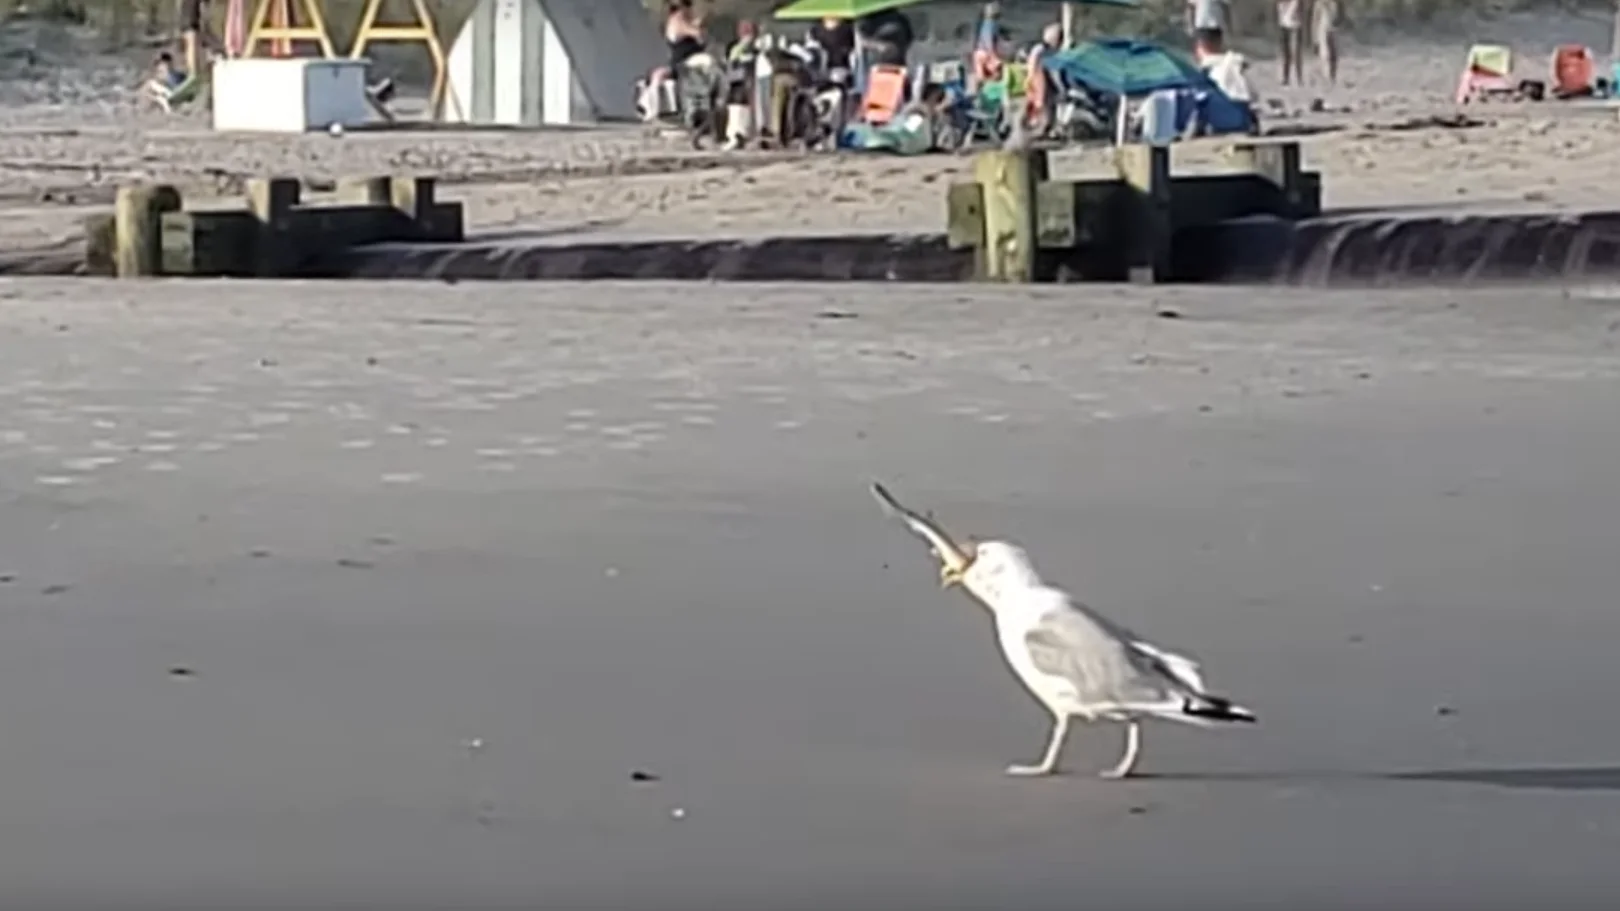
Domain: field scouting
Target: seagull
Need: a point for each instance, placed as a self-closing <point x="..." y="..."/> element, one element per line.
<point x="1074" y="661"/>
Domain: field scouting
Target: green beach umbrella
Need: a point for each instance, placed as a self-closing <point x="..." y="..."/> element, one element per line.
<point x="838" y="9"/>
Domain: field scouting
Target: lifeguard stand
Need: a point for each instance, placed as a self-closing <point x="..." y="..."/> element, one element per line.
<point x="278" y="22"/>
<point x="415" y="26"/>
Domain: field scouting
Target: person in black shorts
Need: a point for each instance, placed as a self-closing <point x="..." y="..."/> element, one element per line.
<point x="683" y="30"/>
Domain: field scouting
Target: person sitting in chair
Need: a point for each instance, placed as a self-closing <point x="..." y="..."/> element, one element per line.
<point x="165" y="80"/>
<point x="742" y="57"/>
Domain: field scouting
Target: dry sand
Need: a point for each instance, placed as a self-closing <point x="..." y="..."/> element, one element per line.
<point x="69" y="135"/>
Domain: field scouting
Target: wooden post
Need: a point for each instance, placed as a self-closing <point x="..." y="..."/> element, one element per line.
<point x="1007" y="180"/>
<point x="101" y="244"/>
<point x="430" y="219"/>
<point x="1145" y="169"/>
<point x="271" y="201"/>
<point x="415" y="197"/>
<point x="137" y="219"/>
<point x="365" y="191"/>
<point x="280" y="20"/>
<point x="263" y="27"/>
<point x="1278" y="163"/>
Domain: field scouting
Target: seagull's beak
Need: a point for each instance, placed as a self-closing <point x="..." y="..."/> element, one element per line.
<point x="951" y="575"/>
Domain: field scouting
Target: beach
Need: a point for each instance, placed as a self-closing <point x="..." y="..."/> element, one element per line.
<point x="572" y="595"/>
<point x="67" y="147"/>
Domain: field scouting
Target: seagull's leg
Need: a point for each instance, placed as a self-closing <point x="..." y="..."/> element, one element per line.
<point x="1133" y="749"/>
<point x="1048" y="763"/>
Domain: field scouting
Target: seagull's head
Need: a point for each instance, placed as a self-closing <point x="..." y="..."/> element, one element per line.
<point x="996" y="565"/>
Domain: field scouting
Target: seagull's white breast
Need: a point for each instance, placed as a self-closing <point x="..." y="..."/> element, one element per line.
<point x="1058" y="693"/>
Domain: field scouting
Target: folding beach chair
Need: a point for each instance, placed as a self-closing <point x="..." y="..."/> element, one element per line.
<point x="1487" y="73"/>
<point x="885" y="94"/>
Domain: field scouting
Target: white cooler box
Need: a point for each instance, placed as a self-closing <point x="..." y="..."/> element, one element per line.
<point x="289" y="95"/>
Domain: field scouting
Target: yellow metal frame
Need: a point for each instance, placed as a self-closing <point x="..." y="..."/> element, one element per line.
<point x="262" y="29"/>
<point x="420" y="30"/>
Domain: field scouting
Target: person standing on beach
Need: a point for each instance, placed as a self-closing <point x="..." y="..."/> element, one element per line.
<point x="192" y="13"/>
<point x="1326" y="17"/>
<point x="836" y="38"/>
<point x="1291" y="39"/>
<point x="1209" y="21"/>
<point x="986" y="35"/>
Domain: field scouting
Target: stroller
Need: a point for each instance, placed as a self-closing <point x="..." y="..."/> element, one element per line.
<point x="689" y="99"/>
<point x="700" y="86"/>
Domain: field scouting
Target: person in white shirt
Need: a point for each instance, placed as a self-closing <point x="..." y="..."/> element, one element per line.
<point x="1291" y="39"/>
<point x="1209" y="21"/>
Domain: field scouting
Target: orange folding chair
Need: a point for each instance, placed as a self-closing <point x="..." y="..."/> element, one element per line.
<point x="885" y="94"/>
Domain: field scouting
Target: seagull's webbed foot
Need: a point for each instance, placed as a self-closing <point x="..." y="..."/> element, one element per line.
<point x="1031" y="771"/>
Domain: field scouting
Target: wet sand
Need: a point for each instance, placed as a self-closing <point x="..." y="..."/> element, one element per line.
<point x="381" y="594"/>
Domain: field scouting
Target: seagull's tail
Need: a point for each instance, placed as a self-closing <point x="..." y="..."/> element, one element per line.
<point x="1214" y="708"/>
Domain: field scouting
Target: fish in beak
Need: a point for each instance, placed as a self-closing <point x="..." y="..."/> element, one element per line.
<point x="954" y="557"/>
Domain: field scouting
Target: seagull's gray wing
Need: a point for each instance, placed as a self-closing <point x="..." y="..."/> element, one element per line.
<point x="942" y="545"/>
<point x="1105" y="667"/>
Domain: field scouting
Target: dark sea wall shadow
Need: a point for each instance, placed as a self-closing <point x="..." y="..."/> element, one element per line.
<point x="1356" y="249"/>
<point x="1404" y="249"/>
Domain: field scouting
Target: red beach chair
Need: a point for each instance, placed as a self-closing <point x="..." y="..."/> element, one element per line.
<point x="1573" y="71"/>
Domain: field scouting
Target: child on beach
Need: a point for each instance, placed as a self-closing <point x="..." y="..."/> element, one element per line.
<point x="165" y="80"/>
